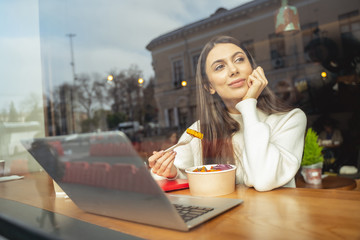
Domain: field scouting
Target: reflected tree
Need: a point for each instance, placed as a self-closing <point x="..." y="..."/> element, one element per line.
<point x="113" y="119"/>
<point x="89" y="95"/>
<point x="100" y="104"/>
<point x="61" y="109"/>
<point x="125" y="93"/>
<point x="150" y="110"/>
<point x="31" y="107"/>
<point x="3" y="115"/>
<point x="13" y="114"/>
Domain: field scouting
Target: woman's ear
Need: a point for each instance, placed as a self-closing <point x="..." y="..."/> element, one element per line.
<point x="210" y="89"/>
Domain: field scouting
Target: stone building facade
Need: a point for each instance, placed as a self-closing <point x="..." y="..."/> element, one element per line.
<point x="293" y="63"/>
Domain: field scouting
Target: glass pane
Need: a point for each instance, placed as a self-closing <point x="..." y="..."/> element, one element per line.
<point x="355" y="26"/>
<point x="75" y="67"/>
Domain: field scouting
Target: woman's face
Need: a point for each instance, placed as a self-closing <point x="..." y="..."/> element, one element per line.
<point x="227" y="68"/>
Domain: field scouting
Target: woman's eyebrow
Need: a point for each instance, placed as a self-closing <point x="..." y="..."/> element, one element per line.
<point x="221" y="60"/>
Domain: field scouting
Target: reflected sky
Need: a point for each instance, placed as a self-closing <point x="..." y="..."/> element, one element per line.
<point x="110" y="36"/>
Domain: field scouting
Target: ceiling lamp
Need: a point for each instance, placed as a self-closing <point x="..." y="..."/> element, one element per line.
<point x="287" y="19"/>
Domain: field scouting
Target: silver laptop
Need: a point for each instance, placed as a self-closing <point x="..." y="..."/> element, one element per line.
<point x="103" y="174"/>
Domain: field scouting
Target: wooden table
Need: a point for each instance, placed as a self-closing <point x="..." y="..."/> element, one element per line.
<point x="286" y="213"/>
<point x="328" y="182"/>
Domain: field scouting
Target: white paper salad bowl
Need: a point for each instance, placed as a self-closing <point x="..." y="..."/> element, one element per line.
<point x="213" y="183"/>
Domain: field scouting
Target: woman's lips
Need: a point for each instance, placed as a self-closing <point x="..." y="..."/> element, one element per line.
<point x="237" y="83"/>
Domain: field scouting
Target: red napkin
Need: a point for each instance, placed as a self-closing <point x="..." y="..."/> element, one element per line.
<point x="171" y="185"/>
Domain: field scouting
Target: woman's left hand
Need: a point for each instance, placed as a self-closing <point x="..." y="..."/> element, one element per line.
<point x="256" y="82"/>
<point x="162" y="164"/>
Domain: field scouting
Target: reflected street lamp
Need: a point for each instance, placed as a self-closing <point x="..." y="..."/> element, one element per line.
<point x="323" y="74"/>
<point x="72" y="63"/>
<point x="141" y="98"/>
<point x="114" y="85"/>
<point x="110" y="79"/>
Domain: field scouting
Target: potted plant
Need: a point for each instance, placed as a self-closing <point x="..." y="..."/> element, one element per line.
<point x="312" y="160"/>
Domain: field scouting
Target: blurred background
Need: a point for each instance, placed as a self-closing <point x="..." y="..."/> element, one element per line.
<point x="71" y="67"/>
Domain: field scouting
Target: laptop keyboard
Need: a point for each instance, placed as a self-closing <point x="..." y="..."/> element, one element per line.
<point x="190" y="212"/>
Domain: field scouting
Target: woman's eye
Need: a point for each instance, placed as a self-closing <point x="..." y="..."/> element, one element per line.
<point x="239" y="59"/>
<point x="219" y="67"/>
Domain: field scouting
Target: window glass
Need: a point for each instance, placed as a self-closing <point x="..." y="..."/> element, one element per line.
<point x="277" y="50"/>
<point x="74" y="68"/>
<point x="249" y="44"/>
<point x="178" y="73"/>
<point x="309" y="32"/>
<point x="195" y="59"/>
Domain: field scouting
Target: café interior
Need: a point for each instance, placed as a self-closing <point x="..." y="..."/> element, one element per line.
<point x="67" y="131"/>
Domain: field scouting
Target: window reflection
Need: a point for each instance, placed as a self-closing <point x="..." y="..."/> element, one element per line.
<point x="73" y="100"/>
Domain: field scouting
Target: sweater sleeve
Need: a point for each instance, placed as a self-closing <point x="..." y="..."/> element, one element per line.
<point x="272" y="154"/>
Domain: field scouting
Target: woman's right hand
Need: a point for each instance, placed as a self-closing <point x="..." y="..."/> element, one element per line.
<point x="162" y="164"/>
<point x="256" y="81"/>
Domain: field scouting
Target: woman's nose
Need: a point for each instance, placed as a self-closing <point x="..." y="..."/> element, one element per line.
<point x="233" y="69"/>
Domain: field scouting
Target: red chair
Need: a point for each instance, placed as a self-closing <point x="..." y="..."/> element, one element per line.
<point x="58" y="147"/>
<point x="121" y="176"/>
<point x="75" y="172"/>
<point x="140" y="183"/>
<point x="97" y="173"/>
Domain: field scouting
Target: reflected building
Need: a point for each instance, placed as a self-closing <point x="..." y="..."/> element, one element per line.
<point x="316" y="69"/>
<point x="295" y="64"/>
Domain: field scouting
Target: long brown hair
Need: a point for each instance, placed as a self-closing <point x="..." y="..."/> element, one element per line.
<point x="216" y="123"/>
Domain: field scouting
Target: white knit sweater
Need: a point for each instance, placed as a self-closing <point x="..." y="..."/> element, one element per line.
<point x="268" y="147"/>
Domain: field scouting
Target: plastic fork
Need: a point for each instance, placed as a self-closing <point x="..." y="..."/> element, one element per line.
<point x="183" y="141"/>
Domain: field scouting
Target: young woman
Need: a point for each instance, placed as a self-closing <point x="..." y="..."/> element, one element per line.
<point x="242" y="121"/>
